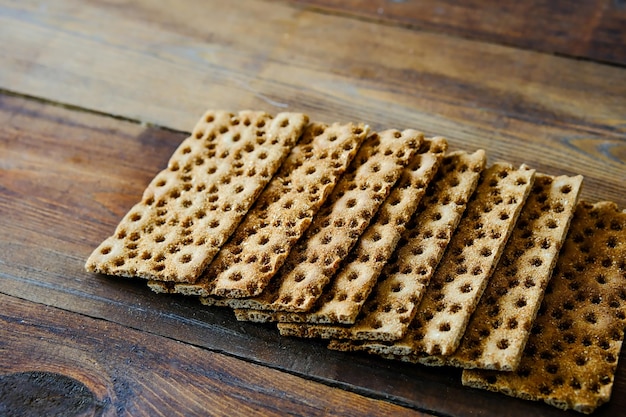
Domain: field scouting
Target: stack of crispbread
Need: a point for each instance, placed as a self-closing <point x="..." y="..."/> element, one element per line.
<point x="385" y="242"/>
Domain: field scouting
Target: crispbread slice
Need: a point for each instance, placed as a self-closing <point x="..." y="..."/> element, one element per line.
<point x="189" y="209"/>
<point x="470" y="259"/>
<point x="338" y="225"/>
<point x="497" y="332"/>
<point x="396" y="350"/>
<point x="392" y="304"/>
<point x="354" y="280"/>
<point x="282" y="213"/>
<point x="346" y="345"/>
<point x="572" y="352"/>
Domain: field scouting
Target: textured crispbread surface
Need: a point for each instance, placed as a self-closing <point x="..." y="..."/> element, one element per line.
<point x="189" y="209"/>
<point x="572" y="352"/>
<point x="163" y="287"/>
<point x="353" y="282"/>
<point x="395" y="350"/>
<point x="470" y="259"/>
<point x="497" y="332"/>
<point x="389" y="309"/>
<point x="282" y="213"/>
<point x="215" y="301"/>
<point x="343" y="345"/>
<point x="336" y="228"/>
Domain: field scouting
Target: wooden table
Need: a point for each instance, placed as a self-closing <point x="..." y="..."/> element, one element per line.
<point x="95" y="95"/>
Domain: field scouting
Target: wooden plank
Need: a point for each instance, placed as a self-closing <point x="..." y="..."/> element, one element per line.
<point x="67" y="177"/>
<point x="130" y="372"/>
<point x="166" y="65"/>
<point x="591" y="29"/>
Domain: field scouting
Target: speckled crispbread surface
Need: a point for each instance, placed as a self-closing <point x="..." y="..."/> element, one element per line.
<point x="282" y="213"/>
<point x="350" y="287"/>
<point x="391" y="305"/>
<point x="496" y="335"/>
<point x="474" y="251"/>
<point x="208" y="185"/>
<point x="337" y="227"/>
<point x="572" y="352"/>
<point x="498" y="329"/>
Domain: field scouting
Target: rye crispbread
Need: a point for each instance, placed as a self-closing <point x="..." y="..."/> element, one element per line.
<point x="546" y="214"/>
<point x="282" y="213"/>
<point x="497" y="332"/>
<point x="353" y="282"/>
<point x="206" y="187"/>
<point x="571" y="355"/>
<point x="339" y="224"/>
<point x="395" y="350"/>
<point x="470" y="259"/>
<point x="392" y="304"/>
<point x="572" y="343"/>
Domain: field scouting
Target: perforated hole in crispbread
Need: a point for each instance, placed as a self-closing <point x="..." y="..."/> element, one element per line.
<point x="496" y="334"/>
<point x="470" y="259"/>
<point x="159" y="227"/>
<point x="353" y="282"/>
<point x="571" y="355"/>
<point x="341" y="221"/>
<point x="282" y="213"/>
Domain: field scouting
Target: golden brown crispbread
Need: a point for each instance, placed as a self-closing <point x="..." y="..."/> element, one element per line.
<point x="538" y="234"/>
<point x="392" y="304"/>
<point x="415" y="276"/>
<point x="497" y="332"/>
<point x="470" y="259"/>
<point x="344" y="345"/>
<point x="354" y="280"/>
<point x="339" y="224"/>
<point x="282" y="213"/>
<point x="207" y="186"/>
<point x="163" y="287"/>
<point x="572" y="352"/>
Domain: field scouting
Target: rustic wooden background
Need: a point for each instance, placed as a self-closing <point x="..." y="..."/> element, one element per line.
<point x="96" y="94"/>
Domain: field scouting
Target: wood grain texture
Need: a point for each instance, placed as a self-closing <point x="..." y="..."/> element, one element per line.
<point x="67" y="177"/>
<point x="162" y="64"/>
<point x="590" y="29"/>
<point x="139" y="374"/>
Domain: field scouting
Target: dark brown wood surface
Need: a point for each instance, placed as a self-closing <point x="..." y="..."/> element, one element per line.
<point x="96" y="95"/>
<point x="592" y="29"/>
<point x="138" y="373"/>
<point x="143" y="61"/>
